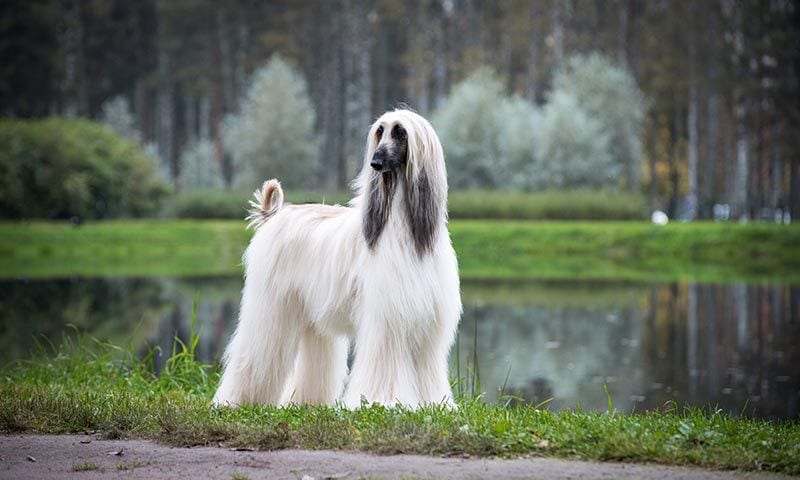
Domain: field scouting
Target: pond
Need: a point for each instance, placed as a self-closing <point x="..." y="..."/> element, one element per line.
<point x="560" y="343"/>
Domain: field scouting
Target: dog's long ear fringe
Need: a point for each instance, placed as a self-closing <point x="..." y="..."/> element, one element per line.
<point x="423" y="212"/>
<point x="269" y="199"/>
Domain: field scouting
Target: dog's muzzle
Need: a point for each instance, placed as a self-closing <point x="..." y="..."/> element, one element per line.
<point x="378" y="162"/>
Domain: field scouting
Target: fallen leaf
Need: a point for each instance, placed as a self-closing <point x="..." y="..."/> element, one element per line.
<point x="115" y="452"/>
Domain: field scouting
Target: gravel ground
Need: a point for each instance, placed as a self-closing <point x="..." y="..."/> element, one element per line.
<point x="87" y="457"/>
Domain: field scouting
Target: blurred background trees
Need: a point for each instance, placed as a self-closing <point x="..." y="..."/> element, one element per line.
<point x="691" y="103"/>
<point x="273" y="135"/>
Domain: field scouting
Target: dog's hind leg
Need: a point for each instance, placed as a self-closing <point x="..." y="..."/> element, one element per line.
<point x="319" y="371"/>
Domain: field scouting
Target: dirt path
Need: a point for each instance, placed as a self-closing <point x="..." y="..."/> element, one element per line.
<point x="84" y="457"/>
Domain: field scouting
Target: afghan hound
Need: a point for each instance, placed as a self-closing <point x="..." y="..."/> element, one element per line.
<point x="381" y="273"/>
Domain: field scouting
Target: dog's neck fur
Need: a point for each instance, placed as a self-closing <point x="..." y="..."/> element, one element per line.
<point x="421" y="209"/>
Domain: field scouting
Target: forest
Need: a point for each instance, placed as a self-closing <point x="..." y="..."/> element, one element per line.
<point x="695" y="105"/>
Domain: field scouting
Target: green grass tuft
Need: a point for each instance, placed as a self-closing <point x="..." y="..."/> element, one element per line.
<point x="85" y="467"/>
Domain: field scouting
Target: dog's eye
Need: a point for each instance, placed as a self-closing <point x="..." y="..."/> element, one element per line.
<point x="379" y="132"/>
<point x="398" y="132"/>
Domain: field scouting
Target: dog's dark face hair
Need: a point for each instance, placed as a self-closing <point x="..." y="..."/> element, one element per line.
<point x="389" y="168"/>
<point x="392" y="151"/>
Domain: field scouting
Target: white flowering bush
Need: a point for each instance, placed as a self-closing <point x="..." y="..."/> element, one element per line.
<point x="609" y="94"/>
<point x="274" y="133"/>
<point x="199" y="166"/>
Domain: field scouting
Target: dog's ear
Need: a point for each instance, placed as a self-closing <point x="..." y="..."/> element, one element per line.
<point x="423" y="212"/>
<point x="380" y="191"/>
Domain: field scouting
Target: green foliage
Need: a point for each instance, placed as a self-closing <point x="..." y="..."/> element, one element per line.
<point x="232" y="204"/>
<point x="610" y="97"/>
<point x="85" y="385"/>
<point x="274" y="135"/>
<point x="588" y="134"/>
<point x="199" y="166"/>
<point x="572" y="148"/>
<point x="117" y="116"/>
<point x="485" y="134"/>
<point x="580" y="204"/>
<point x="210" y="203"/>
<point x="59" y="168"/>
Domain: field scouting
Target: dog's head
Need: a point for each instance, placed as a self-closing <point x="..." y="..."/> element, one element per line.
<point x="403" y="150"/>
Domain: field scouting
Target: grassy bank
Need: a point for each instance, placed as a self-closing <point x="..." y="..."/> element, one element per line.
<point x="486" y="249"/>
<point x="105" y="389"/>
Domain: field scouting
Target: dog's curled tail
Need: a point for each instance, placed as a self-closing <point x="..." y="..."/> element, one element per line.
<point x="269" y="199"/>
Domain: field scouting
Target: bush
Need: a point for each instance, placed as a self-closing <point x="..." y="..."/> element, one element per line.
<point x="215" y="203"/>
<point x="572" y="148"/>
<point x="610" y="96"/>
<point x="273" y="136"/>
<point x="58" y="168"/>
<point x="210" y="203"/>
<point x="199" y="166"/>
<point x="487" y="136"/>
<point x="483" y="204"/>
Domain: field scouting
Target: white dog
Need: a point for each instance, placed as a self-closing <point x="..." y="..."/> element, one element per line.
<point x="381" y="272"/>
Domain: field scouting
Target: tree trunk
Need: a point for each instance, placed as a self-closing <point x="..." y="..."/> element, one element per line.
<point x="691" y="121"/>
<point x="692" y="196"/>
<point x="532" y="86"/>
<point x="440" y="61"/>
<point x="794" y="189"/>
<point x="334" y="172"/>
<point x="708" y="194"/>
<point x="740" y="172"/>
<point x="558" y="33"/>
<point x="73" y="87"/>
<point x="622" y="33"/>
<point x="165" y="135"/>
<point x="358" y="85"/>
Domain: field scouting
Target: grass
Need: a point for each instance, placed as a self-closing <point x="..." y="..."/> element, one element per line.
<point x="98" y="386"/>
<point x="625" y="251"/>
<point x="133" y="464"/>
<point x="85" y="466"/>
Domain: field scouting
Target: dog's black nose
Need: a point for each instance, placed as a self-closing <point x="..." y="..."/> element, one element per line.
<point x="377" y="160"/>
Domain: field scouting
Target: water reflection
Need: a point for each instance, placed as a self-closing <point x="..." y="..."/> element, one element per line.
<point x="733" y="346"/>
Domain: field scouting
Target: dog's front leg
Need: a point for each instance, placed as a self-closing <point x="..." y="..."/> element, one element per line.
<point x="383" y="370"/>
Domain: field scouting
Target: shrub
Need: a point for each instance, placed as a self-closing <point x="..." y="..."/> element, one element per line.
<point x="199" y="166"/>
<point x="572" y="148"/>
<point x="60" y="168"/>
<point x="210" y="203"/>
<point x="116" y="115"/>
<point x="216" y="203"/>
<point x="274" y="134"/>
<point x="609" y="95"/>
<point x="487" y="136"/>
<point x="581" y="204"/>
<point x="484" y="204"/>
